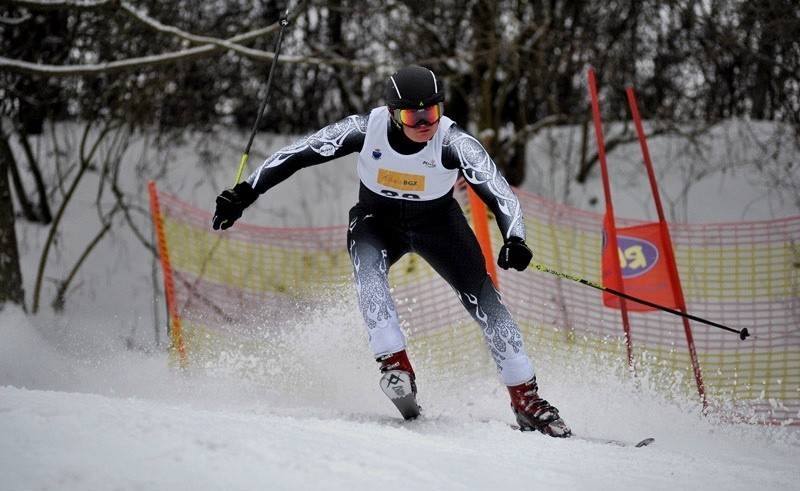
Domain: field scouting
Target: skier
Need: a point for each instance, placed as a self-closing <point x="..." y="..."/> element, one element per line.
<point x="409" y="157"/>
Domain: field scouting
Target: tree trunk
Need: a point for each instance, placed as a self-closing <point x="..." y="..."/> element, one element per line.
<point x="11" y="289"/>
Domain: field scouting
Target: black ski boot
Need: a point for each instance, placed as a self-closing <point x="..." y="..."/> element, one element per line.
<point x="398" y="383"/>
<point x="534" y="413"/>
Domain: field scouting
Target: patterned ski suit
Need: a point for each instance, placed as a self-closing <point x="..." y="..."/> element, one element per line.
<point x="406" y="205"/>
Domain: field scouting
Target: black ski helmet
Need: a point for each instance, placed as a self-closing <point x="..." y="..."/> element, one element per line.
<point x="413" y="87"/>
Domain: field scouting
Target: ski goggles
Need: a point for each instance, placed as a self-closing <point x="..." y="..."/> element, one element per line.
<point x="415" y="117"/>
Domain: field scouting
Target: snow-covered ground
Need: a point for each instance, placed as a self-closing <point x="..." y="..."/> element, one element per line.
<point x="89" y="401"/>
<point x="124" y="420"/>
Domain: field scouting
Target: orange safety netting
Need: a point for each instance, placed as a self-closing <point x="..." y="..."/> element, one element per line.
<point x="226" y="288"/>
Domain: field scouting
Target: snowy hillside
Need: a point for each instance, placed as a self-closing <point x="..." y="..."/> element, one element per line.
<point x="125" y="421"/>
<point x="88" y="399"/>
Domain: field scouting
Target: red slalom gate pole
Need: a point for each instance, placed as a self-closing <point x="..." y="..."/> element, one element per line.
<point x="666" y="240"/>
<point x="611" y="233"/>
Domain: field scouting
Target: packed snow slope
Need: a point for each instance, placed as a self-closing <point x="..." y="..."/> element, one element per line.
<point x="73" y="420"/>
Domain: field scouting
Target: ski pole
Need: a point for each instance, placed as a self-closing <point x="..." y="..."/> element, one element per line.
<point x="743" y="333"/>
<point x="283" y="21"/>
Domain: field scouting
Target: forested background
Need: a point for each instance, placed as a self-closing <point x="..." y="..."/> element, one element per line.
<point x="121" y="68"/>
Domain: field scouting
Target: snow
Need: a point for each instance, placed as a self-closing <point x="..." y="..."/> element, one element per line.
<point x="89" y="400"/>
<point x="127" y="421"/>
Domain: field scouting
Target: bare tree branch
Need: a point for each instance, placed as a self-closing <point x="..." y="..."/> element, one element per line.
<point x="61" y="4"/>
<point x="10" y="21"/>
<point x="157" y="26"/>
<point x="210" y="45"/>
<point x="28" y="68"/>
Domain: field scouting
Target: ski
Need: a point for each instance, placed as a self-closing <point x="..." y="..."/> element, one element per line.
<point x="642" y="443"/>
<point x="400" y="389"/>
<point x="606" y="441"/>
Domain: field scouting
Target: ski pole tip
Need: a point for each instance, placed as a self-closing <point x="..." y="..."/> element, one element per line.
<point x="743" y="334"/>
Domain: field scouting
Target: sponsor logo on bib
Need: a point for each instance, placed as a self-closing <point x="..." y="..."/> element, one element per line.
<point x="401" y="181"/>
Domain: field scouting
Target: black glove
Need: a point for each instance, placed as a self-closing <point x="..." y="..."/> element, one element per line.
<point x="231" y="203"/>
<point x="514" y="254"/>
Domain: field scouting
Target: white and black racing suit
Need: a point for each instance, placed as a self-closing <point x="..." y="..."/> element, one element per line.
<point x="406" y="205"/>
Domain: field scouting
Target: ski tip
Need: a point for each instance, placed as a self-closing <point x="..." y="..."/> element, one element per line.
<point x="645" y="442"/>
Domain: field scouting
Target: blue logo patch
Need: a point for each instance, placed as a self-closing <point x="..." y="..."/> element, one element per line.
<point x="376" y="154"/>
<point x="636" y="256"/>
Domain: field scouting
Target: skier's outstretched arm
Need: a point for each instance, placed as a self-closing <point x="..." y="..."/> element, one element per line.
<point x="329" y="143"/>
